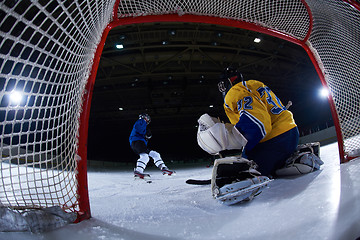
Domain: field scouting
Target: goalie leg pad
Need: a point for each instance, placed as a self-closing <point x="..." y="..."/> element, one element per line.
<point x="300" y="163"/>
<point x="313" y="147"/>
<point x="294" y="169"/>
<point x="235" y="179"/>
<point x="242" y="191"/>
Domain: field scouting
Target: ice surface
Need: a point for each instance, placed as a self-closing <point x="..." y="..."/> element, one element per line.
<point x="320" y="205"/>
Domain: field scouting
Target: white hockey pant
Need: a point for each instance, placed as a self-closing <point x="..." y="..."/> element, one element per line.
<point x="157" y="159"/>
<point x="144" y="159"/>
<point x="142" y="162"/>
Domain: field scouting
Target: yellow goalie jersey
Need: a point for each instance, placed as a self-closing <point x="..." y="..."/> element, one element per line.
<point x="257" y="112"/>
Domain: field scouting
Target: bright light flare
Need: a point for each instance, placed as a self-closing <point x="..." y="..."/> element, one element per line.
<point x="324" y="92"/>
<point x="257" y="40"/>
<point x="15" y="98"/>
<point x="119" y="46"/>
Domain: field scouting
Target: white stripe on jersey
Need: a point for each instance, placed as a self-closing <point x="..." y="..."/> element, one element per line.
<point x="256" y="121"/>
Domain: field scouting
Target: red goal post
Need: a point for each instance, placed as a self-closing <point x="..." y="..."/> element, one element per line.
<point x="49" y="55"/>
<point x="327" y="30"/>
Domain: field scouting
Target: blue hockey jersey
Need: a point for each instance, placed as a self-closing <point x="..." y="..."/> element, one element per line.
<point x="139" y="131"/>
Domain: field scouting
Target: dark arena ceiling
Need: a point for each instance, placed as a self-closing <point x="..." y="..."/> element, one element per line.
<point x="171" y="70"/>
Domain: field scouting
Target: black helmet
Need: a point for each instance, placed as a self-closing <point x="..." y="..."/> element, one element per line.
<point x="228" y="78"/>
<point x="146" y="117"/>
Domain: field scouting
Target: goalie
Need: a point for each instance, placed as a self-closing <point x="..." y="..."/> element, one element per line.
<point x="259" y="115"/>
<point x="260" y="125"/>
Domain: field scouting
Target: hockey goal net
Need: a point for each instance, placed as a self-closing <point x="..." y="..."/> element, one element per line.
<point x="49" y="54"/>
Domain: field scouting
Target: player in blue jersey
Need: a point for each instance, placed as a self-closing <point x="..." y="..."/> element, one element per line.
<point x="259" y="115"/>
<point x="138" y="139"/>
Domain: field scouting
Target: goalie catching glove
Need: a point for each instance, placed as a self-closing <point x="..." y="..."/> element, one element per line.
<point x="235" y="179"/>
<point x="214" y="136"/>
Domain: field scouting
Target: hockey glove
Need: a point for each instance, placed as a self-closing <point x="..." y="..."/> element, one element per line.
<point x="148" y="134"/>
<point x="214" y="136"/>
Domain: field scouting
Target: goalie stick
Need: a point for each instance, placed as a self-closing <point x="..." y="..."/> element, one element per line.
<point x="198" y="182"/>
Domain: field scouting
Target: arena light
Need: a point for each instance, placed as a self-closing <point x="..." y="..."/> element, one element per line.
<point x="172" y="32"/>
<point x="119" y="46"/>
<point x="324" y="92"/>
<point x="257" y="40"/>
<point x="15" y="98"/>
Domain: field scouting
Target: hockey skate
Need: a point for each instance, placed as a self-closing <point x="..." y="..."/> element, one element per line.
<point x="242" y="191"/>
<point x="167" y="171"/>
<point x="305" y="159"/>
<point x="144" y="176"/>
<point x="236" y="180"/>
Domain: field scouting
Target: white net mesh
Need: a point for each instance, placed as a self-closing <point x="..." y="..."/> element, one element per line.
<point x="335" y="37"/>
<point x="287" y="16"/>
<point x="46" y="53"/>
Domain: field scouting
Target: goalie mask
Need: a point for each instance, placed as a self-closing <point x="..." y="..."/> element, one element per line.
<point x="228" y="78"/>
<point x="146" y="117"/>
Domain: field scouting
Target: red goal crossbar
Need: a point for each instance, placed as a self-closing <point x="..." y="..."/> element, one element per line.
<point x="50" y="53"/>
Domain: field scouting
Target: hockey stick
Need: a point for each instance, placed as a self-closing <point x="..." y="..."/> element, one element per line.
<point x="198" y="182"/>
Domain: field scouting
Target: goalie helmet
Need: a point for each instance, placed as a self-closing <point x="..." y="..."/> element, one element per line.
<point x="146" y="117"/>
<point x="228" y="78"/>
